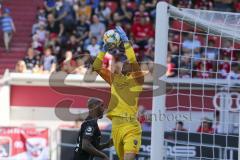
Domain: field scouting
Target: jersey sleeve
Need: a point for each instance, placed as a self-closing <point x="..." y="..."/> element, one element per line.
<point x="88" y="131"/>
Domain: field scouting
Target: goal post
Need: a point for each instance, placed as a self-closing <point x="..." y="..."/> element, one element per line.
<point x="161" y="49"/>
<point x="217" y="85"/>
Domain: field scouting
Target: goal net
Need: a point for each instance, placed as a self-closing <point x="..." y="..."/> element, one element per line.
<point x="201" y="51"/>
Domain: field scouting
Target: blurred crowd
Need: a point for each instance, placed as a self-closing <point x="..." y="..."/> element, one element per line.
<point x="67" y="36"/>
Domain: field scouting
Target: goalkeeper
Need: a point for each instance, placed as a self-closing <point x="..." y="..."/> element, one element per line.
<point x="123" y="105"/>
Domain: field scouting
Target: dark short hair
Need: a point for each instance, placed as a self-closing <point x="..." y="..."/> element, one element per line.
<point x="235" y="64"/>
<point x="93" y="101"/>
<point x="94" y="37"/>
<point x="180" y="122"/>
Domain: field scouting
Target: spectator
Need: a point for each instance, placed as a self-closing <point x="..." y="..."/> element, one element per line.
<point x="65" y="14"/>
<point x="224" y="67"/>
<point x="93" y="3"/>
<point x="82" y="29"/>
<point x="224" y="5"/>
<point x="8" y="28"/>
<point x="183" y="3"/>
<point x="71" y="2"/>
<point x="97" y="29"/>
<point x="83" y="9"/>
<point x="57" y="47"/>
<point x="41" y="14"/>
<point x="123" y="13"/>
<point x="30" y="60"/>
<point x="103" y="11"/>
<point x="54" y="27"/>
<point x="170" y="67"/>
<point x="41" y="34"/>
<point x="149" y="51"/>
<point x="73" y="45"/>
<point x="234" y="73"/>
<point x="85" y="56"/>
<point x="147" y="68"/>
<point x="185" y="66"/>
<point x="228" y="50"/>
<point x="80" y="68"/>
<point x="49" y="5"/>
<point x="69" y="64"/>
<point x="192" y="45"/>
<point x="142" y="32"/>
<point x="206" y="126"/>
<point x="179" y="126"/>
<point x="204" y="4"/>
<point x="48" y="62"/>
<point x="204" y="69"/>
<point x="93" y="48"/>
<point x="174" y="43"/>
<point x="141" y="13"/>
<point x="37" y="45"/>
<point x="143" y="118"/>
<point x="151" y="7"/>
<point x="21" y="67"/>
<point x="211" y="52"/>
<point x="237" y="7"/>
<point x="36" y="26"/>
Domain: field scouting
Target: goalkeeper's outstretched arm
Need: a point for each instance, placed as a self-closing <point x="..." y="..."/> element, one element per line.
<point x="97" y="66"/>
<point x="137" y="74"/>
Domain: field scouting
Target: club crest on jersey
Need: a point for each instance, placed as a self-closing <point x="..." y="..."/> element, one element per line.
<point x="89" y="131"/>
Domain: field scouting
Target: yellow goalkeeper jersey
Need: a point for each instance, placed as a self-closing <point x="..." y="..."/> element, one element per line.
<point x="124" y="97"/>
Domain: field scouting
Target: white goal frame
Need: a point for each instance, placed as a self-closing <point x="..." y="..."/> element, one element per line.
<point x="161" y="49"/>
<point x="163" y="11"/>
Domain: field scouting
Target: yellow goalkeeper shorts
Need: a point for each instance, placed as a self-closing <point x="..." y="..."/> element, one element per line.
<point x="126" y="136"/>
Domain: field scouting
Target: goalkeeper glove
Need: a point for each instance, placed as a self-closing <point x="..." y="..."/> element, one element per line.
<point x="104" y="47"/>
<point x="122" y="34"/>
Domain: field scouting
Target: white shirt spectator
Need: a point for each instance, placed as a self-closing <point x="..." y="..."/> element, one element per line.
<point x="93" y="49"/>
<point x="97" y="28"/>
<point x="211" y="53"/>
<point x="191" y="44"/>
<point x="233" y="75"/>
<point x="42" y="35"/>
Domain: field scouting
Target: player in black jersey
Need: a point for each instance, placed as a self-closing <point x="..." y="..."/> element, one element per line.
<point x="88" y="142"/>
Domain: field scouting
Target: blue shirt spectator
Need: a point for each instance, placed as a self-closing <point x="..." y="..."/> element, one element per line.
<point x="8" y="28"/>
<point x="94" y="3"/>
<point x="50" y="3"/>
<point x="64" y="11"/>
<point x="7" y="22"/>
<point x="48" y="63"/>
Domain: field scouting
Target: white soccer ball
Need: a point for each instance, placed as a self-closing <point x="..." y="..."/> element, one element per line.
<point x="111" y="38"/>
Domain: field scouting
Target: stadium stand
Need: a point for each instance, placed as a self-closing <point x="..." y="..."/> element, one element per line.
<point x="23" y="14"/>
<point x="64" y="33"/>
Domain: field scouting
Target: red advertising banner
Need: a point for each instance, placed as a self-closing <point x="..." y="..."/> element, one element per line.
<point x="24" y="143"/>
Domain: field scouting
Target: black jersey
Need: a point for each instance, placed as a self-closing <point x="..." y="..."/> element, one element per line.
<point x="90" y="130"/>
